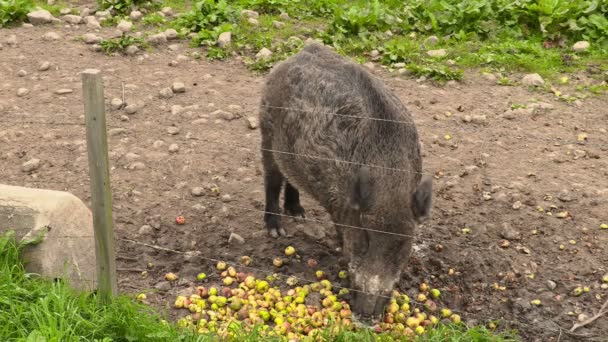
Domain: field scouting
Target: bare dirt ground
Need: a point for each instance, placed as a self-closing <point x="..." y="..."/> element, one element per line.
<point x="491" y="177"/>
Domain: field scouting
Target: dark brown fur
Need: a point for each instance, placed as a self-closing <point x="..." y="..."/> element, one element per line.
<point x="296" y="118"/>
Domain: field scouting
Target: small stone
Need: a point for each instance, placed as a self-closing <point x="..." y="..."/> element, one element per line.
<point x="224" y="115"/>
<point x="197" y="191"/>
<point x="90" y="38"/>
<point x="136" y="15"/>
<point x="131" y="109"/>
<point x="284" y="16"/>
<point x="124" y="26"/>
<point x="157" y="39"/>
<point x="432" y="40"/>
<point x="178" y="87"/>
<point x="65" y="11"/>
<point x="40" y="17"/>
<point x="145" y="230"/>
<point x="92" y="22"/>
<point x="72" y="19"/>
<point x="163" y="286"/>
<point x="532" y="80"/>
<point x="173" y="148"/>
<point x="64" y="91"/>
<point x="31" y="165"/>
<point x="252" y="122"/>
<point x="116" y="104"/>
<point x="11" y="40"/>
<point x="489" y="76"/>
<point x="369" y="65"/>
<point x="124" y="118"/>
<point x="173" y="63"/>
<point x="250" y="14"/>
<point x="517" y="205"/>
<point x="44" y="66"/>
<point x="21" y="73"/>
<point x="158" y="143"/>
<point x="551" y="285"/>
<point x="165" y="93"/>
<point x="117" y="131"/>
<point x="176" y="109"/>
<point x="236" y="238"/>
<point x="581" y="46"/>
<point x="173" y="130"/>
<point x="51" y="36"/>
<point x="22" y="92"/>
<point x="132" y="50"/>
<point x="224" y="39"/>
<point x="509" y="232"/>
<point x="171" y="34"/>
<point x="278" y="24"/>
<point x="253" y="22"/>
<point x="137" y="166"/>
<point x="437" y="53"/>
<point x="226" y="198"/>
<point x="103" y="14"/>
<point x="95" y="48"/>
<point x="168" y="11"/>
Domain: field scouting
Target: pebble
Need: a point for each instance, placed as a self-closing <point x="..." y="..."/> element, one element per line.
<point x="65" y="11"/>
<point x="132" y="50"/>
<point x="224" y="39"/>
<point x="197" y="191"/>
<point x="72" y="19"/>
<point x="432" y="40"/>
<point x="145" y="230"/>
<point x="103" y="14"/>
<point x="31" y="165"/>
<point x="178" y="87"/>
<point x="509" y="233"/>
<point x="264" y="53"/>
<point x="173" y="148"/>
<point x="278" y="24"/>
<point x="51" y="36"/>
<point x="91" y="38"/>
<point x="157" y="39"/>
<point x="137" y="166"/>
<point x="252" y="122"/>
<point x="236" y="238"/>
<point x="116" y="104"/>
<point x="581" y="46"/>
<point x="176" y="109"/>
<point x="221" y="114"/>
<point x="253" y="22"/>
<point x="173" y="130"/>
<point x="517" y="205"/>
<point x="226" y="198"/>
<point x="551" y="285"/>
<point x="489" y="76"/>
<point x="437" y="53"/>
<point x="532" y="80"/>
<point x="250" y="13"/>
<point x="565" y="196"/>
<point x="117" y="131"/>
<point x="92" y="22"/>
<point x="171" y="34"/>
<point x="165" y="93"/>
<point x="63" y="91"/>
<point x="11" y="40"/>
<point x="136" y="15"/>
<point x="168" y="11"/>
<point x="22" y="92"/>
<point x="40" y="17"/>
<point x="131" y="109"/>
<point x="158" y="143"/>
<point x="369" y="65"/>
<point x="124" y="26"/>
<point x="173" y="47"/>
<point x="22" y="73"/>
<point x="163" y="286"/>
<point x="284" y="16"/>
<point x="44" y="66"/>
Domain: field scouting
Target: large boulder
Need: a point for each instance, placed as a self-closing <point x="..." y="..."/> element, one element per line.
<point x="65" y="228"/>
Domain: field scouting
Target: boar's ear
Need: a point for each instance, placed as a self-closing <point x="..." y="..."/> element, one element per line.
<point x="422" y="198"/>
<point x="361" y="195"/>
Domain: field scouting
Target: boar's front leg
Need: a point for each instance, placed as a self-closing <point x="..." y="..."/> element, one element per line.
<point x="293" y="207"/>
<point x="273" y="182"/>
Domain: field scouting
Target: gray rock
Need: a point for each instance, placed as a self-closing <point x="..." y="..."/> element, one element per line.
<point x="21" y="73"/>
<point x="91" y="38"/>
<point x="65" y="11"/>
<point x="178" y="87"/>
<point x="51" y="36"/>
<point x="197" y="191"/>
<point x="73" y="19"/>
<point x="235" y="238"/>
<point x="551" y="285"/>
<point x="252" y="122"/>
<point x="437" y="53"/>
<point x="581" y="46"/>
<point x="165" y="93"/>
<point x="224" y="115"/>
<point x="565" y="196"/>
<point x="11" y="40"/>
<point x="124" y="26"/>
<point x="253" y="22"/>
<point x="44" y="66"/>
<point x="103" y="14"/>
<point x="171" y="34"/>
<point x="31" y="165"/>
<point x="226" y="198"/>
<point x="136" y="15"/>
<point x="40" y="17"/>
<point x="63" y="91"/>
<point x="532" y="80"/>
<point x="22" y="92"/>
<point x="224" y="39"/>
<point x="432" y="40"/>
<point x="145" y="230"/>
<point x="163" y="286"/>
<point x="137" y="166"/>
<point x="92" y="22"/>
<point x="168" y="11"/>
<point x="284" y="16"/>
<point x="173" y="130"/>
<point x="312" y="230"/>
<point x="117" y="131"/>
<point x="509" y="233"/>
<point x="173" y="148"/>
<point x="116" y="104"/>
<point x="278" y="25"/>
<point x="250" y="14"/>
<point x="157" y="39"/>
<point x="131" y="109"/>
<point x="132" y="50"/>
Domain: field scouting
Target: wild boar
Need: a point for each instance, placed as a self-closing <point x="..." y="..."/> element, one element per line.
<point x="335" y="131"/>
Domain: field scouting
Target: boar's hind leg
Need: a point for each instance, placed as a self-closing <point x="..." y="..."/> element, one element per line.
<point x="273" y="181"/>
<point x="292" y="202"/>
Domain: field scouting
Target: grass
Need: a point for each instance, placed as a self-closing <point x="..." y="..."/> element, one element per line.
<point x="36" y="309"/>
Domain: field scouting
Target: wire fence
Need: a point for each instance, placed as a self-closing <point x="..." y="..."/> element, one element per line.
<point x="493" y="243"/>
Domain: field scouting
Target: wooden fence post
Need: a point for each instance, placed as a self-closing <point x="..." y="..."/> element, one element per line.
<point x="101" y="196"/>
